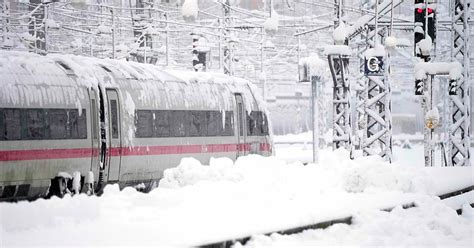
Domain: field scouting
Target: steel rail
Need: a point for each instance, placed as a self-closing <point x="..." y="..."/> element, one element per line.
<point x="324" y="224"/>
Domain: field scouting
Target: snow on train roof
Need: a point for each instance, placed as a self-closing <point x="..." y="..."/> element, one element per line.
<point x="26" y="74"/>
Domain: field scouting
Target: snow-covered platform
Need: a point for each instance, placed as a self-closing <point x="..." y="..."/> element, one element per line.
<point x="199" y="204"/>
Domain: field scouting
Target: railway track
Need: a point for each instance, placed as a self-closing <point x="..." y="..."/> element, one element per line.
<point x="325" y="224"/>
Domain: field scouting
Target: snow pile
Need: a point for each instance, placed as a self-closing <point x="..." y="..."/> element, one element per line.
<point x="340" y="34"/>
<point x="377" y="51"/>
<point x="190" y="9"/>
<point x="374" y="174"/>
<point x="430" y="224"/>
<point x="271" y="24"/>
<point x="76" y="181"/>
<point x="316" y="65"/>
<point x="190" y="171"/>
<point x="198" y="204"/>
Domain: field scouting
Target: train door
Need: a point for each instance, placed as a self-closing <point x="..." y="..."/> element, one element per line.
<point x="94" y="122"/>
<point x="241" y="130"/>
<point x="114" y="142"/>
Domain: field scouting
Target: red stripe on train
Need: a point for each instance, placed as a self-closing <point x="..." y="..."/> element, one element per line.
<point x="45" y="154"/>
<point x="17" y="155"/>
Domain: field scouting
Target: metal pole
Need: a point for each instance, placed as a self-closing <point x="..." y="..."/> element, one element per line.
<point x="45" y="28"/>
<point x="376" y="22"/>
<point x="315" y="115"/>
<point x="6" y="16"/>
<point x="33" y="18"/>
<point x="271" y="8"/>
<point x="113" y="33"/>
<point x="262" y="77"/>
<point x="144" y="51"/>
<point x="228" y="56"/>
<point x="341" y="5"/>
<point x="391" y="19"/>
<point x="167" y="44"/>
<point x="298" y="53"/>
<point x="428" y="132"/>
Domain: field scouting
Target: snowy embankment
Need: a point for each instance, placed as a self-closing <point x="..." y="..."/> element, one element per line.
<point x="198" y="204"/>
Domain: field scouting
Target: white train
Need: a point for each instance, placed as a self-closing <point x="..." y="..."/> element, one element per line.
<point x="68" y="122"/>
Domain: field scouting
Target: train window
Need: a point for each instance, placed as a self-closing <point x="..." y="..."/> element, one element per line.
<point x="178" y="123"/>
<point x="214" y="123"/>
<point x="264" y="123"/>
<point x="95" y="124"/>
<point x="77" y="124"/>
<point x="144" y="123"/>
<point x="57" y="120"/>
<point x="162" y="123"/>
<point x="253" y="124"/>
<point x="228" y="124"/>
<point x="35" y="124"/>
<point x="114" y="117"/>
<point x="197" y="123"/>
<point x="11" y="124"/>
<point x="240" y="115"/>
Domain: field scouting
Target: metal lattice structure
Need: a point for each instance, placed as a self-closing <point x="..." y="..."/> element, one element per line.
<point x="5" y="21"/>
<point x="338" y="64"/>
<point x="361" y="90"/>
<point x="373" y="95"/>
<point x="228" y="53"/>
<point x="458" y="149"/>
<point x="378" y="132"/>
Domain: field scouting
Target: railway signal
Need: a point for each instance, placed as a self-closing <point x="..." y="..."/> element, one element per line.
<point x="419" y="85"/>
<point x="425" y="22"/>
<point x="453" y="87"/>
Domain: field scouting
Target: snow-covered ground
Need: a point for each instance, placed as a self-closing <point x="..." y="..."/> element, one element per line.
<point x="197" y="204"/>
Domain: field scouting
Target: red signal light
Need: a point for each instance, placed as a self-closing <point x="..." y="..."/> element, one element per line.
<point x="419" y="10"/>
<point x="430" y="10"/>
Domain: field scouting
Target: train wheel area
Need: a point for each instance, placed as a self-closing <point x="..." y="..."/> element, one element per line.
<point x="197" y="204"/>
<point x="65" y="183"/>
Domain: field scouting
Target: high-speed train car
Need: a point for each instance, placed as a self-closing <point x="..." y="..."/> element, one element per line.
<point x="75" y="124"/>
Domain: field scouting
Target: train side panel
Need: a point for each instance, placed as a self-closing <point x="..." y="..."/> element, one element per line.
<point x="44" y="127"/>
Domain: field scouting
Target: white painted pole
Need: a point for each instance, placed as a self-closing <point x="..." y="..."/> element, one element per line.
<point x="315" y="113"/>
